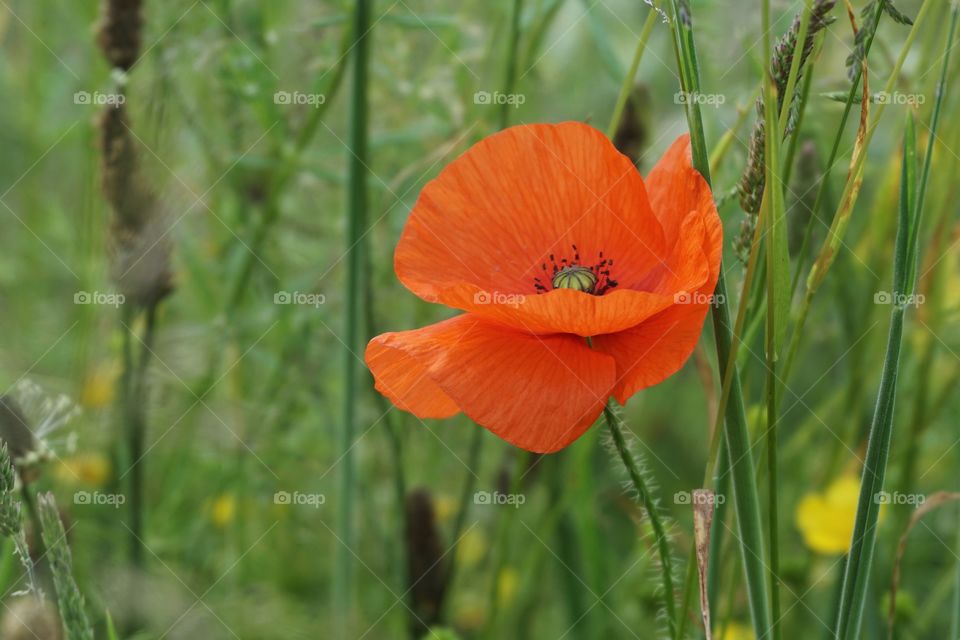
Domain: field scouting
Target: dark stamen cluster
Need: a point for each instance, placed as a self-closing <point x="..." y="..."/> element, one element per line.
<point x="600" y="270"/>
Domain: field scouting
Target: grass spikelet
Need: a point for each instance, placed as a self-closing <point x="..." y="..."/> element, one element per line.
<point x="73" y="614"/>
<point x="871" y="13"/>
<point x="751" y="185"/>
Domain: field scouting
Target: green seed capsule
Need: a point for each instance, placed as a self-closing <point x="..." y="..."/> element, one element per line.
<point x="575" y="277"/>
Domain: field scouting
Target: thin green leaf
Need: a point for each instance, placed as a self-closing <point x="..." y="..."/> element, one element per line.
<point x="860" y="558"/>
<point x="746" y="500"/>
<point x="356" y="215"/>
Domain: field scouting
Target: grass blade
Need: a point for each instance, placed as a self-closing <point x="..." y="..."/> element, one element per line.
<point x="857" y="572"/>
<point x="356" y="225"/>
<point x="747" y="503"/>
<point x="627" y="85"/>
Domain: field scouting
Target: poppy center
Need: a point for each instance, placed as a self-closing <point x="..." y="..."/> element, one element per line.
<point x="571" y="273"/>
<point x="576" y="277"/>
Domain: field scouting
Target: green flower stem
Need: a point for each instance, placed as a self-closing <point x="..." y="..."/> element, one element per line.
<point x="649" y="504"/>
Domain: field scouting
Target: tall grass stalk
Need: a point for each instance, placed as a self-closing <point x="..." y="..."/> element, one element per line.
<point x="777" y="265"/>
<point x="921" y="411"/>
<point x="141" y="257"/>
<point x="287" y="170"/>
<point x="746" y="500"/>
<point x="955" y="616"/>
<point x="857" y="573"/>
<point x="841" y="218"/>
<point x="627" y="85"/>
<point x="356" y="225"/>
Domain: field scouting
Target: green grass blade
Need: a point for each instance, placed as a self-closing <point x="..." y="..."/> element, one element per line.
<point x="356" y="226"/>
<point x="931" y="142"/>
<point x="955" y="617"/>
<point x="778" y="292"/>
<point x="746" y="500"/>
<point x="627" y="86"/>
<point x="857" y="573"/>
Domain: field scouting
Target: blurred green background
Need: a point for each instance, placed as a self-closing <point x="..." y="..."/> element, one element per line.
<point x="243" y="395"/>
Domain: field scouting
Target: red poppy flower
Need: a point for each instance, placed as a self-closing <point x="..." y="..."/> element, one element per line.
<point x="546" y="235"/>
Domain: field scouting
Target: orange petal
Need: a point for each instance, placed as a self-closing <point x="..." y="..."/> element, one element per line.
<point x="653" y="351"/>
<point x="539" y="393"/>
<point x="562" y="310"/>
<point x="657" y="348"/>
<point x="487" y="225"/>
<point x="676" y="189"/>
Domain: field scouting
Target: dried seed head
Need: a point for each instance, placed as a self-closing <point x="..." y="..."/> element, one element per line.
<point x="633" y="129"/>
<point x="138" y="238"/>
<point x="801" y="207"/>
<point x="427" y="570"/>
<point x="119" y="32"/>
<point x="15" y="430"/>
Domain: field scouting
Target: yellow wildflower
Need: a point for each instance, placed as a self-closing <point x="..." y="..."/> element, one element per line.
<point x="507" y="584"/>
<point x="223" y="509"/>
<point x="91" y="469"/>
<point x="736" y="631"/>
<point x="826" y="519"/>
<point x="98" y="386"/>
<point x="472" y="548"/>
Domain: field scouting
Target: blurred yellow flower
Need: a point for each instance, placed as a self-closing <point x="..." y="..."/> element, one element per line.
<point x="98" y="386"/>
<point x="444" y="507"/>
<point x="507" y="584"/>
<point x="223" y="509"/>
<point x="735" y="631"/>
<point x="472" y="548"/>
<point x="91" y="469"/>
<point x="470" y="613"/>
<point x="826" y="519"/>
